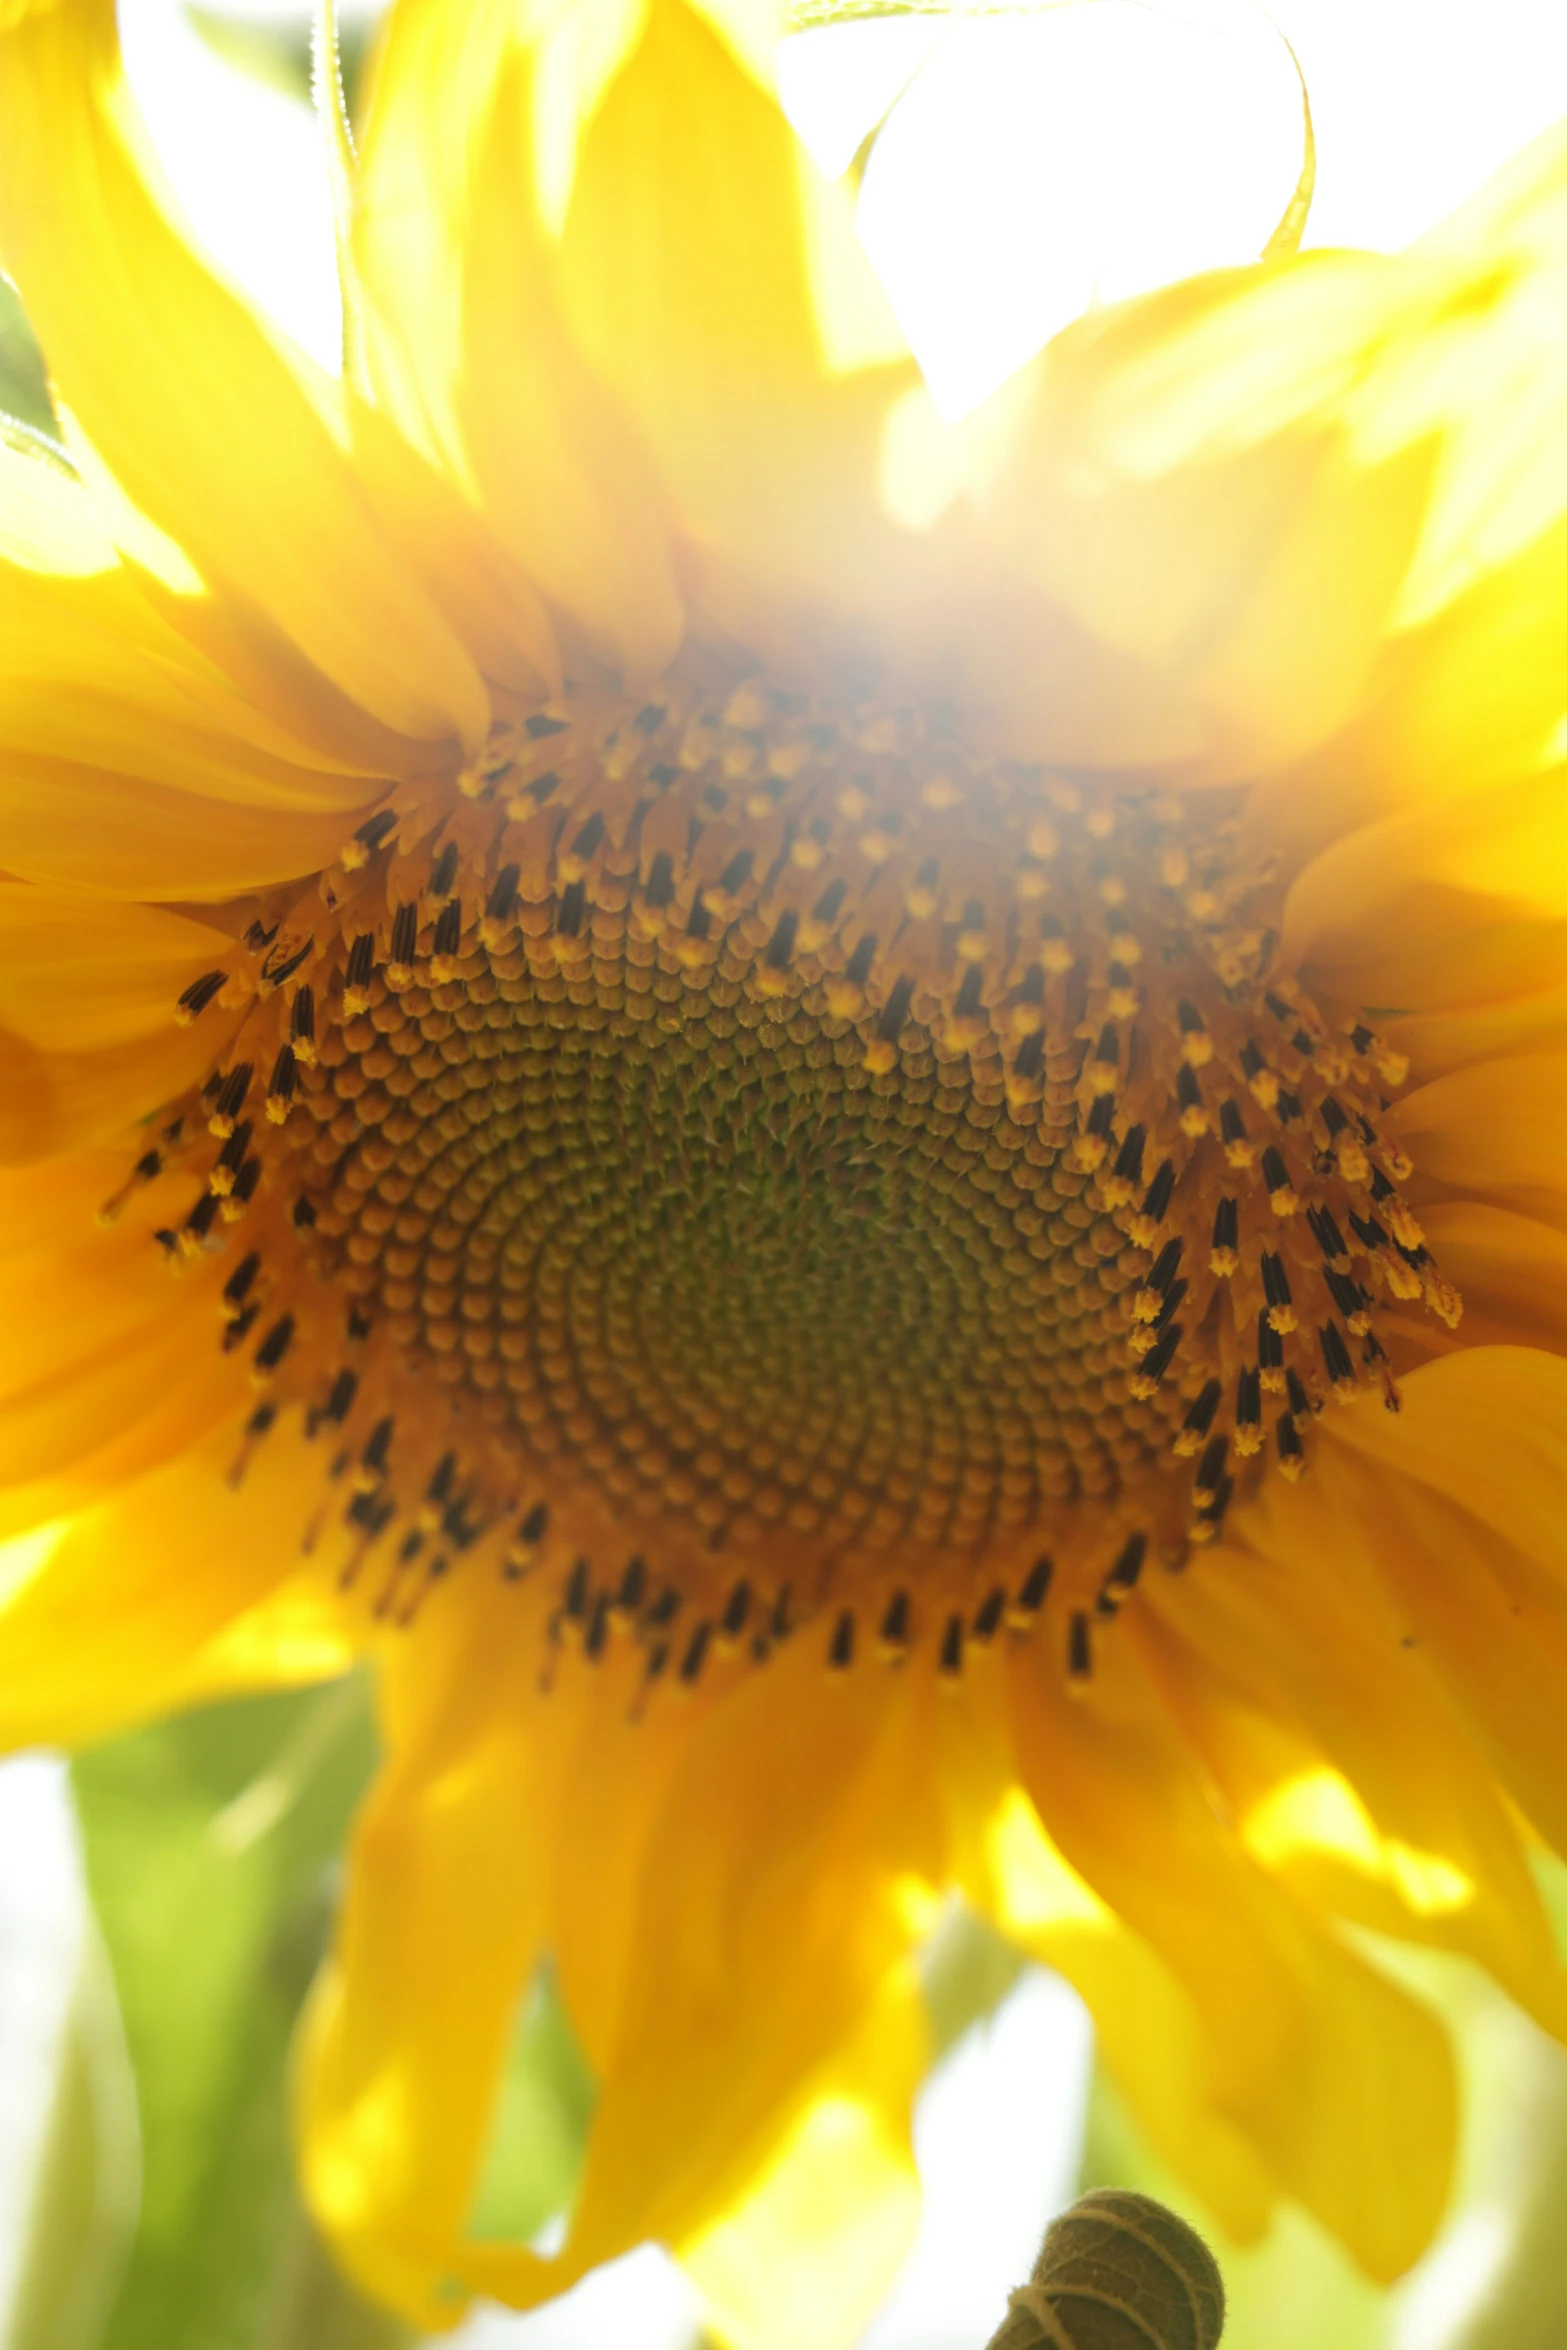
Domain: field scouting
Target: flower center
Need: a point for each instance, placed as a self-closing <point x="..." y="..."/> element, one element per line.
<point x="751" y="1161"/>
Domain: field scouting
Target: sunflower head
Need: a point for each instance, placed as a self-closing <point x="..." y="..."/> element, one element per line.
<point x="882" y="1208"/>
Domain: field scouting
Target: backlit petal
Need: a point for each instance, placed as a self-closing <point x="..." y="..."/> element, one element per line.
<point x="201" y="420"/>
<point x="1343" y="2083"/>
<point x="1488" y="1429"/>
<point x="465" y="343"/>
<point x="117" y="1606"/>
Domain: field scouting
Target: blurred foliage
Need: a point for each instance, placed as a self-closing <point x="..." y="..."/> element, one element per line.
<point x="85" y="2195"/>
<point x="212" y="1848"/>
<point x="539" y="2136"/>
<point x="966" y="1970"/>
<point x="210" y="1844"/>
<point x="24" y="386"/>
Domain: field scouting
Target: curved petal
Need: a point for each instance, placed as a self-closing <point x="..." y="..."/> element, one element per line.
<point x="686" y="270"/>
<point x="1512" y="1023"/>
<point x="93" y="672"/>
<point x="1146" y="2027"/>
<point x="129" y="764"/>
<point x="1464" y="902"/>
<point x="1498" y="1644"/>
<point x="1465" y="701"/>
<point x="81" y="1308"/>
<point x="1498" y="1129"/>
<point x="88" y="1043"/>
<point x="445" y="1912"/>
<point x="1487" y="1428"/>
<point x="767" y="1891"/>
<point x="1138" y="478"/>
<point x="1342" y="2083"/>
<point x="808" y="2251"/>
<point x="1461" y="1608"/>
<point x="1351" y="1776"/>
<point x="82" y="828"/>
<point x="1324" y="453"/>
<point x="119" y="1605"/>
<point x="465" y="343"/>
<point x="1510" y="1271"/>
<point x="768" y="1926"/>
<point x="201" y="421"/>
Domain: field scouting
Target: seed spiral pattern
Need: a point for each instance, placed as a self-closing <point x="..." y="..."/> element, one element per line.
<point x="746" y="1156"/>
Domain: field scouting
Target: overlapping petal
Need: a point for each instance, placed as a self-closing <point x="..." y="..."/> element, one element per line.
<point x="465" y="345"/>
<point x="230" y="449"/>
<point x="139" y="1602"/>
<point x="1305" y="521"/>
<point x="87" y="1032"/>
<point x="1340" y="2083"/>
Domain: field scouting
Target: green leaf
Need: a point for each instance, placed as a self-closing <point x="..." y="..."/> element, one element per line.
<point x="24" y="386"/>
<point x="538" y="2140"/>
<point x="84" y="2199"/>
<point x="210" y="1844"/>
<point x="966" y="1971"/>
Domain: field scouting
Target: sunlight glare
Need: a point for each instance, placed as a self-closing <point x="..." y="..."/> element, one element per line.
<point x="1042" y="162"/>
<point x="247" y="166"/>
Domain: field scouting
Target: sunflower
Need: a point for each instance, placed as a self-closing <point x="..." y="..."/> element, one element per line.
<point x="884" y="1209"/>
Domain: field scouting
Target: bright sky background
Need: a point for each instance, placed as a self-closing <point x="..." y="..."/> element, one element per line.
<point x="1037" y="164"/>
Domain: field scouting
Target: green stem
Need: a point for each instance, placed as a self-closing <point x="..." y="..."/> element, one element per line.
<point x="319" y="2310"/>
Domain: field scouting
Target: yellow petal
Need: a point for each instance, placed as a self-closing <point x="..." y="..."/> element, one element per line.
<point x="1467" y="700"/>
<point x="117" y="736"/>
<point x="1339" y="1752"/>
<point x="797" y="1805"/>
<point x="1514" y="1021"/>
<point x="687" y="274"/>
<point x="97" y="1337"/>
<point x="1496" y="1634"/>
<point x="93" y="672"/>
<point x="1464" y="901"/>
<point x="118" y="1604"/>
<point x="770" y="1884"/>
<point x="76" y="974"/>
<point x="76" y="1304"/>
<point x="1489" y="379"/>
<point x="464" y="340"/>
<point x="482" y="589"/>
<point x="1510" y="1271"/>
<point x="303" y="1631"/>
<point x="1146" y="2028"/>
<point x="1342" y="2083"/>
<point x="1486" y="1427"/>
<point x="617" y="1785"/>
<point x="444" y="1913"/>
<point x="1327" y="452"/>
<point x="83" y="828"/>
<point x="88" y="1043"/>
<point x="808" y="2251"/>
<point x="1498" y="1129"/>
<point x="1140" y="480"/>
<point x="200" y="419"/>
